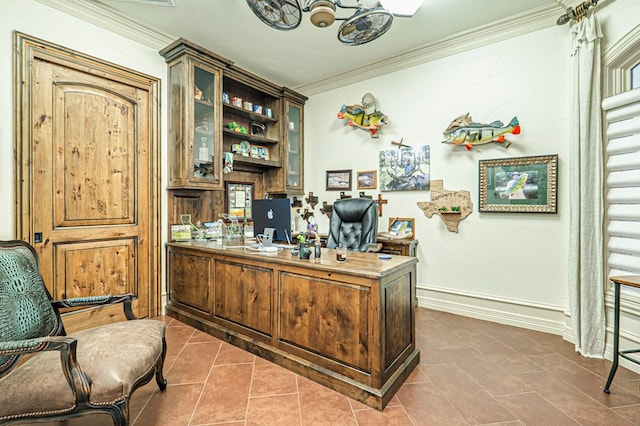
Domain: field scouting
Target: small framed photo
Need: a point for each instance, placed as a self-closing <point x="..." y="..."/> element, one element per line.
<point x="239" y="199"/>
<point x="519" y="185"/>
<point x="367" y="179"/>
<point x="402" y="227"/>
<point x="338" y="180"/>
<point x="180" y="232"/>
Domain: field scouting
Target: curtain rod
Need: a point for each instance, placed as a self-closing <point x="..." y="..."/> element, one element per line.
<point x="576" y="14"/>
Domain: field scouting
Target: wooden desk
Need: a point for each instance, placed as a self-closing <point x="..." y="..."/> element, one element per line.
<point x="348" y="326"/>
<point x="633" y="281"/>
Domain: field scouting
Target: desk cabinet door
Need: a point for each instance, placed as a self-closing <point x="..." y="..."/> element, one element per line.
<point x="243" y="295"/>
<point x="189" y="280"/>
<point x="327" y="317"/>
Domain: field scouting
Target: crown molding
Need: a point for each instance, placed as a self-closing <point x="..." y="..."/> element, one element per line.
<point x="109" y="19"/>
<point x="534" y="20"/>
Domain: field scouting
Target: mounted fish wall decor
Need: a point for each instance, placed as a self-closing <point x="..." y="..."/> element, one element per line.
<point x="464" y="131"/>
<point x="364" y="115"/>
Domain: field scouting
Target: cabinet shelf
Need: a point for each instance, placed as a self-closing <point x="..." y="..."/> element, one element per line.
<point x="248" y="137"/>
<point x="261" y="118"/>
<point x="239" y="158"/>
<point x="203" y="102"/>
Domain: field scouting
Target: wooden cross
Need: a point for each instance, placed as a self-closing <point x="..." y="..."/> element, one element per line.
<point x="296" y="202"/>
<point x="399" y="144"/>
<point x="312" y="200"/>
<point x="380" y="201"/>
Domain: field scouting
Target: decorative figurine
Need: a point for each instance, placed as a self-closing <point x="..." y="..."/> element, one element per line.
<point x="364" y="116"/>
<point x="463" y="131"/>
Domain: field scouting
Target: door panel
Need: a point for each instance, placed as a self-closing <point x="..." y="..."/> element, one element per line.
<point x="95" y="267"/>
<point x="96" y="160"/>
<point x="91" y="187"/>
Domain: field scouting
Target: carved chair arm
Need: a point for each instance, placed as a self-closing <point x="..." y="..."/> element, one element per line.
<point x="76" y="302"/>
<point x="77" y="380"/>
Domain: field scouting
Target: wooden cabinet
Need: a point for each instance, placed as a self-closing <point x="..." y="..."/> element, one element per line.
<point x="216" y="108"/>
<point x="195" y="133"/>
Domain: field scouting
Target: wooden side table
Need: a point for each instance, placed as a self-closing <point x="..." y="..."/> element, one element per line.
<point x="402" y="247"/>
<point x="633" y="281"/>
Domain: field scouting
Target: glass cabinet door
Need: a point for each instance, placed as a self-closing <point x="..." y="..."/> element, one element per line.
<point x="203" y="154"/>
<point x="295" y="155"/>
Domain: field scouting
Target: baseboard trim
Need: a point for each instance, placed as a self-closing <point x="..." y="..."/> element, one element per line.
<point x="548" y="319"/>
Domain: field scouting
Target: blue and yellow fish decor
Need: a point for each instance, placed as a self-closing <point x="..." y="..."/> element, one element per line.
<point x="464" y="131"/>
<point x="364" y="116"/>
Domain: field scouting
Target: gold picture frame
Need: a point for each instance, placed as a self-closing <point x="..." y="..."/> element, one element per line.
<point x="519" y="185"/>
<point x="367" y="179"/>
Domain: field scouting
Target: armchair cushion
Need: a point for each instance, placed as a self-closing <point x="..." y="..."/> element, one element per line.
<point x="115" y="357"/>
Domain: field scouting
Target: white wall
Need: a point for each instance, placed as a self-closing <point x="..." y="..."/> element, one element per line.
<point x="35" y="19"/>
<point x="518" y="260"/>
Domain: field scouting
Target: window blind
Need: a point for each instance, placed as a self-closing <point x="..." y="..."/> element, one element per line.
<point x="622" y="139"/>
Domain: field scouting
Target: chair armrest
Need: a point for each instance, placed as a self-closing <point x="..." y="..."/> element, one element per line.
<point x="39" y="344"/>
<point x="67" y="346"/>
<point x="373" y="247"/>
<point x="76" y="302"/>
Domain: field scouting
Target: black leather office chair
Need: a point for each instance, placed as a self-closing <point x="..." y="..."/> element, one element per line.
<point x="354" y="223"/>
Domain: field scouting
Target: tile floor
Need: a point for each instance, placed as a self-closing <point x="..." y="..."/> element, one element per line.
<point x="471" y="372"/>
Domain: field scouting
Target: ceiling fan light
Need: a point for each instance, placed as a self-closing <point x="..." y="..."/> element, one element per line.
<point x="323" y="13"/>
<point x="322" y="16"/>
<point x="402" y="8"/>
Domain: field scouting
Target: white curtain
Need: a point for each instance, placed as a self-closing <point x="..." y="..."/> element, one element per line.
<point x="586" y="274"/>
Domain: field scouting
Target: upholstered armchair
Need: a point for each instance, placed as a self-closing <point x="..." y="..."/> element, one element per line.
<point x="60" y="376"/>
<point x="354" y="223"/>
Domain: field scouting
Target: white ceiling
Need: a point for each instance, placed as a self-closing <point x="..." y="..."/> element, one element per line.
<point x="308" y="58"/>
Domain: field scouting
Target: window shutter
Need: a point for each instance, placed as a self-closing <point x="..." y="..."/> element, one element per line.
<point x="622" y="120"/>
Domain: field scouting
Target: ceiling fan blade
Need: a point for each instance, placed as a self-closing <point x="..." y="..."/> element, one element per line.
<point x="279" y="14"/>
<point x="364" y="26"/>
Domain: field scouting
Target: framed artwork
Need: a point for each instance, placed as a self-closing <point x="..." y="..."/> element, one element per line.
<point x="367" y="179"/>
<point x="239" y="199"/>
<point x="338" y="180"/>
<point x="402" y="227"/>
<point x="180" y="232"/>
<point x="519" y="185"/>
<point x="405" y="169"/>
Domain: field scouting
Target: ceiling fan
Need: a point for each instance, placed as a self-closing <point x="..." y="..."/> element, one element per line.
<point x="370" y="20"/>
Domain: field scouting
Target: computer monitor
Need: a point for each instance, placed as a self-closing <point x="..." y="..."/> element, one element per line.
<point x="272" y="213"/>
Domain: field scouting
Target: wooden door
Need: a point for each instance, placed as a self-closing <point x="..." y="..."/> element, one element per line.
<point x="88" y="201"/>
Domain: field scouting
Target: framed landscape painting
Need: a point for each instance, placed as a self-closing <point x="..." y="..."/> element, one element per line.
<point x="367" y="179"/>
<point x="338" y="180"/>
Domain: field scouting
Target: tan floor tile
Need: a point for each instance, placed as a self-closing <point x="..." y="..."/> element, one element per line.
<point x="225" y="395"/>
<point x="194" y="363"/>
<point x="173" y="407"/>
<point x="396" y="416"/>
<point x="274" y="410"/>
<point x="425" y="406"/>
<point x="271" y="379"/>
<point x="230" y="354"/>
<point x="534" y="410"/>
